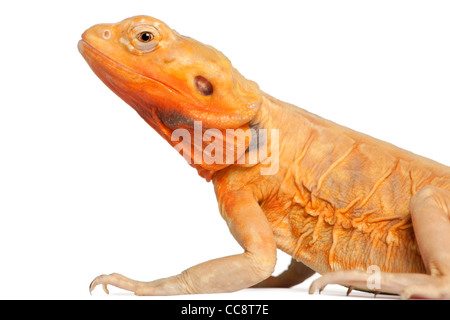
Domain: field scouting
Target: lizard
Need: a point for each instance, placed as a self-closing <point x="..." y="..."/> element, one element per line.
<point x="338" y="201"/>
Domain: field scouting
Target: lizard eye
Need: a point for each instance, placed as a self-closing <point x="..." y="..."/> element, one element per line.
<point x="144" y="38"/>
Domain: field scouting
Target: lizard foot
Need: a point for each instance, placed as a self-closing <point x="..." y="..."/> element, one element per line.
<point x="161" y="287"/>
<point x="352" y="279"/>
<point x="407" y="285"/>
<point x="437" y="288"/>
<point x="114" y="279"/>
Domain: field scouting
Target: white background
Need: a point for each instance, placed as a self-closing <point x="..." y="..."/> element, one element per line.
<point x="87" y="187"/>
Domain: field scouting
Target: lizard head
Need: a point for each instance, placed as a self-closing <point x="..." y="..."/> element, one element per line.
<point x="172" y="81"/>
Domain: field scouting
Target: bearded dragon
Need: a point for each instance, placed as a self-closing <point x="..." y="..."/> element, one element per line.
<point x="336" y="200"/>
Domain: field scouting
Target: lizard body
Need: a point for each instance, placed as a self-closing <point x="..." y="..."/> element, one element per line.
<point x="338" y="201"/>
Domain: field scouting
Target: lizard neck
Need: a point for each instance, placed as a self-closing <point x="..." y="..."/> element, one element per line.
<point x="276" y="114"/>
<point x="293" y="124"/>
<point x="279" y="131"/>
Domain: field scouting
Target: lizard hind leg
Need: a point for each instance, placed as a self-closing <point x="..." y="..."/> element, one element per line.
<point x="296" y="273"/>
<point x="430" y="214"/>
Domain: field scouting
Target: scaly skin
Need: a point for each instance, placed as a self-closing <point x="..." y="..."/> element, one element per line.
<point x="338" y="200"/>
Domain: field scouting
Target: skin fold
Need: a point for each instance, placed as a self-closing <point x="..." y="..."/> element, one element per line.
<point x="338" y="201"/>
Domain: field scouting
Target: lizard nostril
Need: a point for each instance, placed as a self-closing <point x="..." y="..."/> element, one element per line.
<point x="203" y="85"/>
<point x="106" y="34"/>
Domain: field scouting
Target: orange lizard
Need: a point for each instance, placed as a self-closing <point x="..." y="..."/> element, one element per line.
<point x="338" y="201"/>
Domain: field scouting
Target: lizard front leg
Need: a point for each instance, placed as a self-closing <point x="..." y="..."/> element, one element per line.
<point x="249" y="226"/>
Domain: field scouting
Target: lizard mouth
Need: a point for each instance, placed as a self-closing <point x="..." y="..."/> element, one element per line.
<point x="87" y="50"/>
<point x="146" y="95"/>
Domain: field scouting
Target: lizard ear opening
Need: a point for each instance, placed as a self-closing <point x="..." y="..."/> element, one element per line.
<point x="203" y="86"/>
<point x="230" y="105"/>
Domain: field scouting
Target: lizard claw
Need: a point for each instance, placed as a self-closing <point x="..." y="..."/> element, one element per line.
<point x="91" y="287"/>
<point x="350" y="289"/>
<point x="337" y="277"/>
<point x="116" y="280"/>
<point x="95" y="283"/>
<point x="99" y="280"/>
<point x="316" y="285"/>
